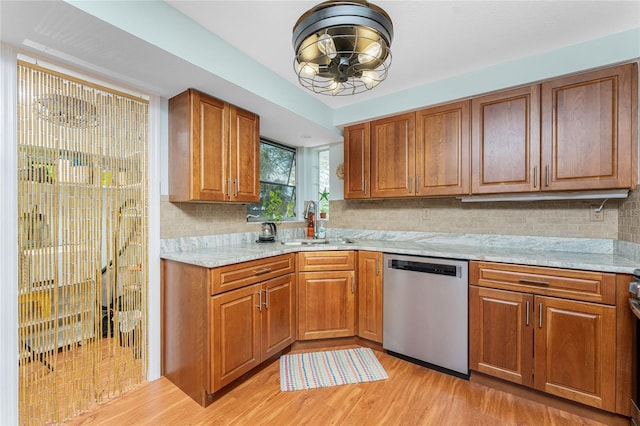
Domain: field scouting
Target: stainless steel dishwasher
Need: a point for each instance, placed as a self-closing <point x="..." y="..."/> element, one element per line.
<point x="425" y="311"/>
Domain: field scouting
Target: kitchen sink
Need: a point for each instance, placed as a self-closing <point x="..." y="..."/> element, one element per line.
<point x="309" y="241"/>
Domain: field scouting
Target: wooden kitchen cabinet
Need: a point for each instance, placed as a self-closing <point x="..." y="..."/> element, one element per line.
<point x="248" y="326"/>
<point x="524" y="328"/>
<point x="416" y="154"/>
<point x="442" y="150"/>
<point x="392" y="156"/>
<point x="569" y="133"/>
<point x="588" y="126"/>
<point x="326" y="294"/>
<point x="357" y="161"/>
<point x="370" y="295"/>
<point x="506" y="141"/>
<point x="214" y="150"/>
<point x="213" y="334"/>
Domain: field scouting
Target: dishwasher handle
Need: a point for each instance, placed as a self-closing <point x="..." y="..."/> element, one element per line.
<point x="425" y="267"/>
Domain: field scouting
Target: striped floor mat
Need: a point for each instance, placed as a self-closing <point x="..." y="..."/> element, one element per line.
<point x="330" y="368"/>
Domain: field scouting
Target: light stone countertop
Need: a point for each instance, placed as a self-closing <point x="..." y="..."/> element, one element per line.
<point x="582" y="254"/>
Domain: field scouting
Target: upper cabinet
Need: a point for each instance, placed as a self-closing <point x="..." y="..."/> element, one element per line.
<point x="415" y="154"/>
<point x="571" y="133"/>
<point x="442" y="150"/>
<point x="214" y="150"/>
<point x="506" y="141"/>
<point x="587" y="127"/>
<point x="393" y="146"/>
<point x="356" y="161"/>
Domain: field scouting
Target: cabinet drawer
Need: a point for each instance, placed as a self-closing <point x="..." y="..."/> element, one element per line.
<point x="341" y="260"/>
<point x="567" y="283"/>
<point x="239" y="275"/>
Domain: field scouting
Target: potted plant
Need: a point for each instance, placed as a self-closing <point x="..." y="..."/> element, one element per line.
<point x="274" y="206"/>
<point x="323" y="203"/>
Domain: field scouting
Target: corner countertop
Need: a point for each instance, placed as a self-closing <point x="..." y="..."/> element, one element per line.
<point x="582" y="254"/>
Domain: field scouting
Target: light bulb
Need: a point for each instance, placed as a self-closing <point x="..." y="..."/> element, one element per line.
<point x="335" y="87"/>
<point x="307" y="69"/>
<point x="370" y="53"/>
<point x="370" y="78"/>
<point x="327" y="46"/>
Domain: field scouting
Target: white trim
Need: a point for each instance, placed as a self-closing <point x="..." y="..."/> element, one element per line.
<point x="157" y="109"/>
<point x="9" y="240"/>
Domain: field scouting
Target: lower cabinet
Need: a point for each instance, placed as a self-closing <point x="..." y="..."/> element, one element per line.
<point x="326" y="300"/>
<point x="561" y="346"/>
<point x="219" y="323"/>
<point x="370" y="295"/>
<point x="250" y="325"/>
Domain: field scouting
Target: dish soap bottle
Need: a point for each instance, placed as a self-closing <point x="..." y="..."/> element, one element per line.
<point x="321" y="232"/>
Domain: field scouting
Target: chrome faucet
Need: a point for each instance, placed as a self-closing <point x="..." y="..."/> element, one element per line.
<point x="312" y="206"/>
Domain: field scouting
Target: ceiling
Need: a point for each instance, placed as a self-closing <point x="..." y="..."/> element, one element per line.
<point x="433" y="41"/>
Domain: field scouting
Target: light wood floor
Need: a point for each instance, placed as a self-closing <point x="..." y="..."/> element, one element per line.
<point x="413" y="395"/>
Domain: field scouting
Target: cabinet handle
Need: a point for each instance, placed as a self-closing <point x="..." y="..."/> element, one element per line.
<point x="540" y="315"/>
<point x="365" y="187"/>
<point x="260" y="301"/>
<point x="546" y="175"/>
<point x="535" y="176"/>
<point x="262" y="271"/>
<point x="377" y="266"/>
<point x="410" y="185"/>
<point x="353" y="285"/>
<point x="417" y="184"/>
<point x="229" y="188"/>
<point x="235" y="188"/>
<point x="534" y="282"/>
<point x="266" y="298"/>
<point x="527" y="315"/>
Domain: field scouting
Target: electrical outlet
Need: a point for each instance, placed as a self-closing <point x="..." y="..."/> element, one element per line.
<point x="595" y="215"/>
<point x="426" y="214"/>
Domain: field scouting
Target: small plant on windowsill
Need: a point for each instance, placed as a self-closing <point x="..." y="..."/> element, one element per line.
<point x="274" y="206"/>
<point x="323" y="202"/>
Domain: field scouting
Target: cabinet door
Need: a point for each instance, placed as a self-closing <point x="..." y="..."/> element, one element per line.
<point x="210" y="152"/>
<point x="326" y="305"/>
<point x="236" y="337"/>
<point x="244" y="141"/>
<point x="501" y="334"/>
<point x="393" y="156"/>
<point x="575" y="348"/>
<point x="442" y="150"/>
<point x="356" y="161"/>
<point x="278" y="314"/>
<point x="587" y="129"/>
<point x="505" y="142"/>
<point x="370" y="295"/>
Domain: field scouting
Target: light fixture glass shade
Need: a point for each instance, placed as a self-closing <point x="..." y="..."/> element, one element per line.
<point x="342" y="47"/>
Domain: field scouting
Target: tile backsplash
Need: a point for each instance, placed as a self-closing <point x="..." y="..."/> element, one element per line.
<point x="535" y="218"/>
<point x="540" y="218"/>
<point x="629" y="218"/>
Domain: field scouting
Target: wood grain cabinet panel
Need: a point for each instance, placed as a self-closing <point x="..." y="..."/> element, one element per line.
<point x="370" y="295"/>
<point x="326" y="305"/>
<point x="587" y="130"/>
<point x="214" y="150"/>
<point x="357" y="161"/>
<point x="338" y="260"/>
<point x="570" y="343"/>
<point x="506" y="141"/>
<point x="575" y="351"/>
<point x="501" y="334"/>
<point x="392" y="156"/>
<point x="442" y="150"/>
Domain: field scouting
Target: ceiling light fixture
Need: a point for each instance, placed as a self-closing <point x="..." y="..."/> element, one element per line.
<point x="342" y="47"/>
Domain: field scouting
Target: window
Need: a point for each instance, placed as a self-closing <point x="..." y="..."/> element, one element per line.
<point x="277" y="184"/>
<point x="324" y="185"/>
